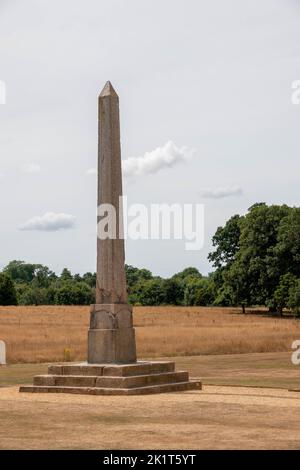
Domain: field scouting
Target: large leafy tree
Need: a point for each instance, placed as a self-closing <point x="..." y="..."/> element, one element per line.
<point x="283" y="291"/>
<point x="251" y="254"/>
<point x="257" y="259"/>
<point x="288" y="246"/>
<point x="226" y="243"/>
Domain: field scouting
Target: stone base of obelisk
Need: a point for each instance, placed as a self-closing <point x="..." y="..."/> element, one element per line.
<point x="113" y="379"/>
<point x="111" y="337"/>
<point x="115" y="346"/>
<point x="112" y="368"/>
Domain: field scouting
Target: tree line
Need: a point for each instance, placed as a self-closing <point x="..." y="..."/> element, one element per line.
<point x="256" y="261"/>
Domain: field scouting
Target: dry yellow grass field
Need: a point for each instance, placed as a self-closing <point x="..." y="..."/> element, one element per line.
<point x="43" y="334"/>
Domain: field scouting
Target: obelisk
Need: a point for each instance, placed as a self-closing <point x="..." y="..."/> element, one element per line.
<point x="112" y="368"/>
<point x="111" y="337"/>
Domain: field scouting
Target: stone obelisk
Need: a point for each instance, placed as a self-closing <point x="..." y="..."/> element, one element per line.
<point x="112" y="368"/>
<point x="111" y="337"/>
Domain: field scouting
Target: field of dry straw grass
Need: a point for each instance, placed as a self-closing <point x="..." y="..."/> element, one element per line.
<point x="42" y="334"/>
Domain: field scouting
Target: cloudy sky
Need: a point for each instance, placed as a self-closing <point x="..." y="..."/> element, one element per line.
<point x="206" y="117"/>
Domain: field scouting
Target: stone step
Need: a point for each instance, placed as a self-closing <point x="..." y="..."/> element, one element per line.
<point x="163" y="388"/>
<point x="115" y="370"/>
<point x="110" y="381"/>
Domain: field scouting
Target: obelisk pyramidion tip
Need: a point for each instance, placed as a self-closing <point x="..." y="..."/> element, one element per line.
<point x="108" y="90"/>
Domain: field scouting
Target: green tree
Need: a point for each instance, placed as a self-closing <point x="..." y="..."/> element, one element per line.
<point x="43" y="277"/>
<point x="8" y="294"/>
<point x="187" y="273"/>
<point x="90" y="279"/>
<point x="226" y="243"/>
<point x="66" y="275"/>
<point x="134" y="275"/>
<point x="173" y="291"/>
<point x="148" y="292"/>
<point x="250" y="272"/>
<point x="283" y="290"/>
<point x="294" y="297"/>
<point x="205" y="294"/>
<point x="29" y="273"/>
<point x="19" y="271"/>
<point x="33" y="296"/>
<point x="199" y="291"/>
<point x="74" y="293"/>
<point x="288" y="246"/>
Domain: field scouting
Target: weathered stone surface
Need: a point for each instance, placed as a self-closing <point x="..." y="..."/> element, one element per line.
<point x="117" y="370"/>
<point x="46" y="380"/>
<point x="140" y="368"/>
<point x="75" y="381"/>
<point x="111" y="337"/>
<point x="165" y="388"/>
<point x="111" y="280"/>
<point x="141" y="380"/>
<point x="123" y="379"/>
<point x="110" y="381"/>
<point x="56" y="369"/>
<point x="111" y="346"/>
<point x="76" y="369"/>
<point x="111" y="316"/>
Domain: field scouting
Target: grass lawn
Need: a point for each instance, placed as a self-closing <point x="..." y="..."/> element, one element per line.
<point x="256" y="369"/>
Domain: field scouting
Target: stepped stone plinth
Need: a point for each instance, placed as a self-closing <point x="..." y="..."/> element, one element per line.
<point x="113" y="379"/>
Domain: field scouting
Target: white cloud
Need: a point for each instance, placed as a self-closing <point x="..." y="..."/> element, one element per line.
<point x="166" y="156"/>
<point x="50" y="222"/>
<point x="221" y="192"/>
<point x="91" y="171"/>
<point x="31" y="168"/>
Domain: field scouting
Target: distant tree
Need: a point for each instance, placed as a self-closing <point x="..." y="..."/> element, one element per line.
<point x="29" y="273"/>
<point x="148" y="292"/>
<point x="205" y="293"/>
<point x="283" y="291"/>
<point x="294" y="297"/>
<point x="90" y="279"/>
<point x="33" y="296"/>
<point x="288" y="243"/>
<point x="43" y="277"/>
<point x="187" y="273"/>
<point x="190" y="290"/>
<point x="74" y="293"/>
<point x="134" y="275"/>
<point x="19" y="271"/>
<point x="173" y="291"/>
<point x="199" y="291"/>
<point x="8" y="295"/>
<point x="66" y="275"/>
